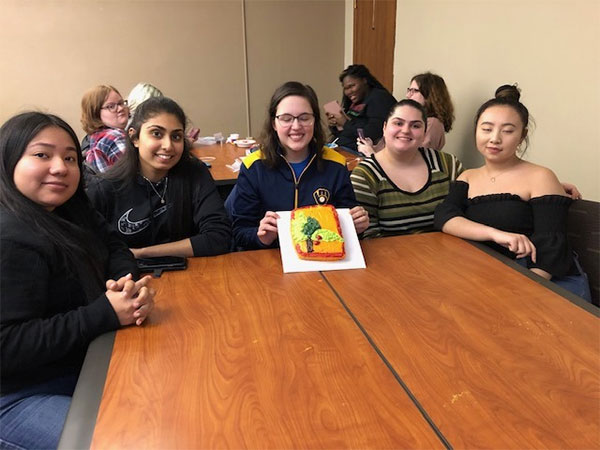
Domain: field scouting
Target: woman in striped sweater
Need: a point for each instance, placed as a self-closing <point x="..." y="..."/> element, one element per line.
<point x="401" y="185"/>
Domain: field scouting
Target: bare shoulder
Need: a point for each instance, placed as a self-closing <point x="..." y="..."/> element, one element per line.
<point x="543" y="181"/>
<point x="467" y="174"/>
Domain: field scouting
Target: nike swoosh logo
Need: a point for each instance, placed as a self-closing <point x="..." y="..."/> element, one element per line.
<point x="128" y="227"/>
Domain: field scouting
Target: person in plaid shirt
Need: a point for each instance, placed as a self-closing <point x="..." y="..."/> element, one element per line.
<point x="104" y="115"/>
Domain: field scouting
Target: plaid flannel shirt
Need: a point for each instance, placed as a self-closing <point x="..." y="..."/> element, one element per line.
<point x="106" y="147"/>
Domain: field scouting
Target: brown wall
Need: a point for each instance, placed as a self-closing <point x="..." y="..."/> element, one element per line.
<point x="193" y="50"/>
<point x="293" y="40"/>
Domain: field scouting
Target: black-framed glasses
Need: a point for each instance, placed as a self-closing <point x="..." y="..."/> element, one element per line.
<point x="412" y="91"/>
<point x="112" y="107"/>
<point x="304" y="119"/>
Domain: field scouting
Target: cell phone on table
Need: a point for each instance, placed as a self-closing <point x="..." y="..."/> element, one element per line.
<point x="361" y="133"/>
<point x="161" y="263"/>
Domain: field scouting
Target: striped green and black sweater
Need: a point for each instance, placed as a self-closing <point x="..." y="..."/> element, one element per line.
<point x="393" y="211"/>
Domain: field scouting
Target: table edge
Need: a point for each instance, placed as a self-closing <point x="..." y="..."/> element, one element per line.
<point x="575" y="299"/>
<point x="85" y="404"/>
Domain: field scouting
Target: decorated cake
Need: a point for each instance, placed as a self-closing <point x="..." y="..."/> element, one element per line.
<point x="316" y="233"/>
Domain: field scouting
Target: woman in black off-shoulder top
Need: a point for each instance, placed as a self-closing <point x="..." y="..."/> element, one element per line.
<point x="517" y="207"/>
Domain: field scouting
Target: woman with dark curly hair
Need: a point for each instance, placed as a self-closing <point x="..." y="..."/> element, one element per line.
<point x="365" y="105"/>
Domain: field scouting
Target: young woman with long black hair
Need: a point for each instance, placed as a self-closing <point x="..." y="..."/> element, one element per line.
<point x="161" y="200"/>
<point x="57" y="255"/>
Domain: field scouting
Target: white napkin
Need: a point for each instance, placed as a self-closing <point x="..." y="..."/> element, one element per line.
<point x="235" y="167"/>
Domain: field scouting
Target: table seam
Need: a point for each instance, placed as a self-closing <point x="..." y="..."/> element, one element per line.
<point x="399" y="379"/>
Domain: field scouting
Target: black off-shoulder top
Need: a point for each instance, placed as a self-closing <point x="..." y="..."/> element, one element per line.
<point x="542" y="219"/>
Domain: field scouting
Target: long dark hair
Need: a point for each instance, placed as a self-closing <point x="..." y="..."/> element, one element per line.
<point x="358" y="71"/>
<point x="269" y="139"/>
<point x="69" y="228"/>
<point x="125" y="171"/>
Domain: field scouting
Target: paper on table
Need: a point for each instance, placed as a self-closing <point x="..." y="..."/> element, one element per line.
<point x="206" y="140"/>
<point x="235" y="166"/>
<point x="291" y="263"/>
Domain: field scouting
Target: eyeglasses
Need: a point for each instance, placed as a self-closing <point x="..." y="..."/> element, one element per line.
<point x="412" y="91"/>
<point x="304" y="119"/>
<point x="112" y="107"/>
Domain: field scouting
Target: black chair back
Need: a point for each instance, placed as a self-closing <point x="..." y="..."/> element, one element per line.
<point x="584" y="236"/>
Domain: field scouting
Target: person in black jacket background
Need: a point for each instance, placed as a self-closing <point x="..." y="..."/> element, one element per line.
<point x="365" y="103"/>
<point x="57" y="254"/>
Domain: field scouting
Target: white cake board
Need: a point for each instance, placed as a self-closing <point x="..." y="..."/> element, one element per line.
<point x="291" y="263"/>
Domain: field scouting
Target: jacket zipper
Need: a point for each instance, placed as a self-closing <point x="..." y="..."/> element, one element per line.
<point x="297" y="181"/>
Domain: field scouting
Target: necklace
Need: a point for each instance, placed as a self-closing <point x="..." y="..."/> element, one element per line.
<point x="493" y="178"/>
<point x="162" y="197"/>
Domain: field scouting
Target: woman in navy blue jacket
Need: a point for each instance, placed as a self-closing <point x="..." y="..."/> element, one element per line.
<point x="291" y="170"/>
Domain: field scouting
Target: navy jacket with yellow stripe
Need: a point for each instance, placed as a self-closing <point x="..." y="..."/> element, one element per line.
<point x="260" y="189"/>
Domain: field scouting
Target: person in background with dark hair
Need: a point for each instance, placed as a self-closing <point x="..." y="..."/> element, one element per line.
<point x="292" y="169"/>
<point x="161" y="200"/>
<point x="365" y="104"/>
<point x="401" y="185"/>
<point x="517" y="207"/>
<point x="429" y="90"/>
<point x="57" y="254"/>
<point x="104" y="115"/>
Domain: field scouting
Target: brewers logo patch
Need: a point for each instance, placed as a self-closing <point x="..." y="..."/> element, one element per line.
<point x="321" y="196"/>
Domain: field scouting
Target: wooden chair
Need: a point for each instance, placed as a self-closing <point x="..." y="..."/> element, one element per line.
<point x="584" y="236"/>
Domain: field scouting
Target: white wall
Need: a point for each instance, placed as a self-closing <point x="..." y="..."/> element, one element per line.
<point x="550" y="47"/>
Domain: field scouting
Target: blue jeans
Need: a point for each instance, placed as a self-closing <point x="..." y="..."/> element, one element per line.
<point x="577" y="284"/>
<point x="33" y="418"/>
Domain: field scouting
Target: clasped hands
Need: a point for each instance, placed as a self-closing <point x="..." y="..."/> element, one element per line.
<point x="267" y="228"/>
<point x="131" y="300"/>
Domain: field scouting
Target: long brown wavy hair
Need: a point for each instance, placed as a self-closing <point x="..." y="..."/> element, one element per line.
<point x="437" y="98"/>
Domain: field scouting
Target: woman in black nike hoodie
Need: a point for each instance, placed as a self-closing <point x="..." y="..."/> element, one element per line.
<point x="160" y="199"/>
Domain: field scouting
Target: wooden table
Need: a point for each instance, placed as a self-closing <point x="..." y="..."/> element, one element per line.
<point x="496" y="360"/>
<point x="227" y="361"/>
<point x="220" y="156"/>
<point x="436" y="344"/>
